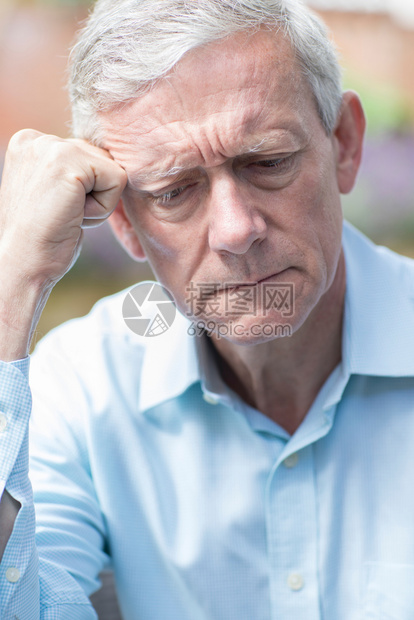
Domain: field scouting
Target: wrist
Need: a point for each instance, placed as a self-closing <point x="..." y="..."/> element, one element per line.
<point x="21" y="303"/>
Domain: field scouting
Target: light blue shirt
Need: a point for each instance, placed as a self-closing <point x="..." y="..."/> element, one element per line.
<point x="206" y="509"/>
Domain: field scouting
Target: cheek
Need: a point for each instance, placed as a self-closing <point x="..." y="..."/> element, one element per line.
<point x="172" y="251"/>
<point x="320" y="202"/>
<point x="314" y="214"/>
<point x="157" y="249"/>
<point x="154" y="240"/>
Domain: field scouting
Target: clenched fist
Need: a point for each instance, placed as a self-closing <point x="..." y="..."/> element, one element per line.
<point x="51" y="189"/>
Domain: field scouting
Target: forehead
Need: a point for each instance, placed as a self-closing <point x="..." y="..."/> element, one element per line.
<point x="221" y="100"/>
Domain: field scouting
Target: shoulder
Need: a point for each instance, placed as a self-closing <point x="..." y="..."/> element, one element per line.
<point x="102" y="328"/>
<point x="377" y="266"/>
<point x="83" y="354"/>
<point x="379" y="309"/>
<point x="100" y="357"/>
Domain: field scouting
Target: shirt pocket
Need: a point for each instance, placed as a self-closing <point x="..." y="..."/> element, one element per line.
<point x="389" y="591"/>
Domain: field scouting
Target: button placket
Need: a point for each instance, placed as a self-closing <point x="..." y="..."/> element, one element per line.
<point x="292" y="537"/>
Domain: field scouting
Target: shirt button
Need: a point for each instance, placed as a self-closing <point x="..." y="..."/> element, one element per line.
<point x="3" y="422"/>
<point x="291" y="461"/>
<point x="295" y="581"/>
<point x="12" y="574"/>
<point x="211" y="400"/>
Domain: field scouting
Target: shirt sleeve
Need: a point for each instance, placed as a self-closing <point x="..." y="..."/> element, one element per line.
<point x="51" y="562"/>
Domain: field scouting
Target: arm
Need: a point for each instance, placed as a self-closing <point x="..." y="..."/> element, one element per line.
<point x="71" y="531"/>
<point x="32" y="586"/>
<point x="51" y="188"/>
<point x="14" y="343"/>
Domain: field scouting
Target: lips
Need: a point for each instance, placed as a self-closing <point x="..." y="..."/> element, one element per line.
<point x="259" y="280"/>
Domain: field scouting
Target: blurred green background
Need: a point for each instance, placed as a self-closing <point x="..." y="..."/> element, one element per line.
<point x="376" y="47"/>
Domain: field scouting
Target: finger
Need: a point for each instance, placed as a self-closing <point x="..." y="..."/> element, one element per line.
<point x="95" y="210"/>
<point x="91" y="223"/>
<point x="103" y="189"/>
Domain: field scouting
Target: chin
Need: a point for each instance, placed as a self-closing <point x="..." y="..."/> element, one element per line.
<point x="249" y="340"/>
<point x="252" y="331"/>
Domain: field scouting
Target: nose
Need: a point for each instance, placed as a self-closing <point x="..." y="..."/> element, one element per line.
<point x="235" y="224"/>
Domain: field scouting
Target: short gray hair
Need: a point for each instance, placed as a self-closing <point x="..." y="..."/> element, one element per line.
<point x="127" y="45"/>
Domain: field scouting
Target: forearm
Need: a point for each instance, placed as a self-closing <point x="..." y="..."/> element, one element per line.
<point x="21" y="303"/>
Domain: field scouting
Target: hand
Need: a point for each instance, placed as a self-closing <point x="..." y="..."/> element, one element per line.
<point x="51" y="189"/>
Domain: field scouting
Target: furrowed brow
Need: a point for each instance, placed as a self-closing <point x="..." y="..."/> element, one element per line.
<point x="157" y="175"/>
<point x="276" y="140"/>
<point x="267" y="143"/>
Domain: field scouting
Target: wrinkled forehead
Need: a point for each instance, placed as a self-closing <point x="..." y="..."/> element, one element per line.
<point x="241" y="87"/>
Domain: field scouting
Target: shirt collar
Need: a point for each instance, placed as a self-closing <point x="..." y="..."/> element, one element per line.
<point x="170" y="365"/>
<point x="378" y="335"/>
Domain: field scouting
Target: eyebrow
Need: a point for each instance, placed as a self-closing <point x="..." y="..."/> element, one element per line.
<point x="161" y="174"/>
<point x="265" y="143"/>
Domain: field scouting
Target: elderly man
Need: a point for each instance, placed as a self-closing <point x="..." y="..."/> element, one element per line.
<point x="244" y="471"/>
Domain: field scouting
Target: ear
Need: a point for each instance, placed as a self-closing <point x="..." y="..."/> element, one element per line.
<point x="125" y="233"/>
<point x="348" y="137"/>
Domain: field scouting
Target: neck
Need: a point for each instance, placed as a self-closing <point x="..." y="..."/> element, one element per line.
<point x="282" y="378"/>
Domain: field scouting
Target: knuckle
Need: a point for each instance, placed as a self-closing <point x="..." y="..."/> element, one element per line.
<point x="58" y="154"/>
<point x="35" y="147"/>
<point x="20" y="138"/>
<point x="56" y="150"/>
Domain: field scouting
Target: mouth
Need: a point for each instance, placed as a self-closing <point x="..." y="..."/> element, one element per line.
<point x="233" y="286"/>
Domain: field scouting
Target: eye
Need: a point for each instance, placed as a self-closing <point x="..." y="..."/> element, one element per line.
<point x="276" y="163"/>
<point x="272" y="172"/>
<point x="169" y="196"/>
<point x="269" y="163"/>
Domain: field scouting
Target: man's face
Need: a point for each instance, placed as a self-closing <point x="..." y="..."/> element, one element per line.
<point x="232" y="179"/>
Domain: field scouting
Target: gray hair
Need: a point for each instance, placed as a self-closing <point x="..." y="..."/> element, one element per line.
<point x="127" y="45"/>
